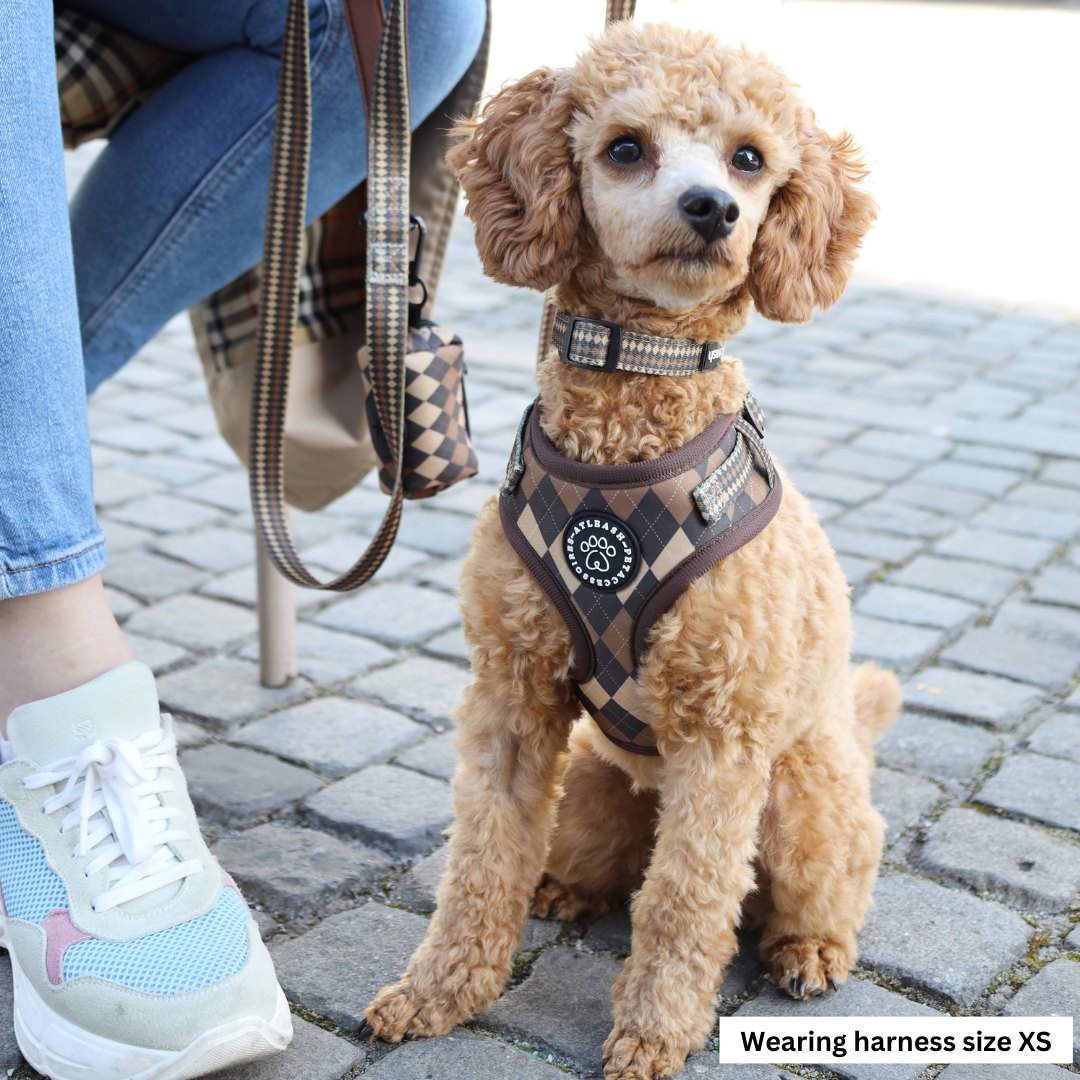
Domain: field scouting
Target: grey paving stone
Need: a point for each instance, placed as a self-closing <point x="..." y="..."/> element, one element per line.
<point x="611" y="932"/>
<point x="857" y="569"/>
<point x="120" y="537"/>
<point x="990" y="700"/>
<point x="120" y="604"/>
<point x="1058" y="737"/>
<point x="150" y="576"/>
<point x="165" y="513"/>
<point x="1072" y="942"/>
<point x="330" y="656"/>
<point x="975" y="478"/>
<point x="1044" y="788"/>
<point x="294" y="872"/>
<point x="188" y="735"/>
<point x="266" y="922"/>
<point x="947" y="752"/>
<point x="870" y="545"/>
<point x="1072" y="702"/>
<point x="214" y="548"/>
<point x="235" y="787"/>
<point x="1065" y="473"/>
<point x="944" y="942"/>
<point x="928" y="497"/>
<point x="394" y="809"/>
<point x="1057" y="585"/>
<point x="895" y="644"/>
<point x="996" y="456"/>
<point x="861" y="462"/>
<point x="704" y="1066"/>
<point x="900" y="604"/>
<point x="854" y="998"/>
<point x="451" y="644"/>
<point x="1002" y="549"/>
<point x="913" y="447"/>
<point x="196" y="622"/>
<point x="828" y="485"/>
<point x="978" y="582"/>
<point x="157" y="655"/>
<point x="313" y="1054"/>
<point x="971" y="1071"/>
<point x="1053" y="991"/>
<point x="437" y="757"/>
<point x="174" y="471"/>
<point x="444" y="574"/>
<point x="1048" y="496"/>
<point x="416" y="889"/>
<point x="891" y="517"/>
<point x="117" y="485"/>
<point x="461" y="1055"/>
<point x="426" y="689"/>
<point x="903" y="800"/>
<point x="10" y="1057"/>
<point x="337" y="968"/>
<point x="1027" y="521"/>
<point x="537" y="933"/>
<point x="1058" y="626"/>
<point x="229" y="491"/>
<point x="1014" y="655"/>
<point x="564" y="1005"/>
<point x="140" y="437"/>
<point x="332" y="735"/>
<point x="240" y="587"/>
<point x="339" y="553"/>
<point x="224" y="692"/>
<point x="1016" y="863"/>
<point x="394" y="614"/>
<point x="435" y="531"/>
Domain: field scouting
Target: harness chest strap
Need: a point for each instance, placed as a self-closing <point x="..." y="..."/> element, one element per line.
<point x="614" y="546"/>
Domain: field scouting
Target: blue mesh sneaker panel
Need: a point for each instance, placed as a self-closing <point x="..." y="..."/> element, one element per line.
<point x="31" y="889"/>
<point x="187" y="957"/>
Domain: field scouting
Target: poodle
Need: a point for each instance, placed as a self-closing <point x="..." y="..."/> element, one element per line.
<point x="755" y="810"/>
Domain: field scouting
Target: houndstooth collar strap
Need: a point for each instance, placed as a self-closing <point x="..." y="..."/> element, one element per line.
<point x="605" y="346"/>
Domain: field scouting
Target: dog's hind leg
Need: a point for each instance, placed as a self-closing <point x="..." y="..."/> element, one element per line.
<point x="603" y="836"/>
<point x="513" y="728"/>
<point x="712" y="792"/>
<point x="820" y="844"/>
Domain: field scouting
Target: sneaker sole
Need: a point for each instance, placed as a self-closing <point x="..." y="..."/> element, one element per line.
<point x="59" y="1049"/>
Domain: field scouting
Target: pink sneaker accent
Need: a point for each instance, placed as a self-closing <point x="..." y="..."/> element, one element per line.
<point x="60" y="934"/>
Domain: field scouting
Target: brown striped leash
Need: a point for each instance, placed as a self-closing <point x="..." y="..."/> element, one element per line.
<point x="616" y="11"/>
<point x="386" y="100"/>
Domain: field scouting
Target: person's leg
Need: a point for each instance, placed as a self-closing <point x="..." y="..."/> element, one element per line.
<point x="56" y="630"/>
<point x="175" y="206"/>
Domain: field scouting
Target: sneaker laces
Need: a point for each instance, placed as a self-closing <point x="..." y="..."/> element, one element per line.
<point x="116" y="784"/>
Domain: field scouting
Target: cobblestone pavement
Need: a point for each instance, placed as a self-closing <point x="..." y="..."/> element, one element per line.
<point x="940" y="442"/>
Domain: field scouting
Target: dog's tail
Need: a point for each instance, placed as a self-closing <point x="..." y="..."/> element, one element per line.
<point x="877" y="701"/>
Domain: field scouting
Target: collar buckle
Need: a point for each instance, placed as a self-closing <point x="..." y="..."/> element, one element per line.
<point x="712" y="352"/>
<point x="611" y="362"/>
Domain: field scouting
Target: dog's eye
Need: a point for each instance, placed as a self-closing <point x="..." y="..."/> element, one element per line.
<point x="625" y="150"/>
<point x="747" y="160"/>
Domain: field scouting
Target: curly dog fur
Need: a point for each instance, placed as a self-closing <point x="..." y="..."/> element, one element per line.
<point x="757" y="809"/>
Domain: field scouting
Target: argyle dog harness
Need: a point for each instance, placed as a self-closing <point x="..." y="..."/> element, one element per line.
<point x="615" y="545"/>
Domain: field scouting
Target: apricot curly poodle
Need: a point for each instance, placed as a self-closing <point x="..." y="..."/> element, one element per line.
<point x="757" y="809"/>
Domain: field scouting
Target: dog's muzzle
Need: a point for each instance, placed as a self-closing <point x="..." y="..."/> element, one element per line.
<point x="710" y="212"/>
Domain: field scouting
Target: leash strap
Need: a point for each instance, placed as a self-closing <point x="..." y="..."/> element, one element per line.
<point x="606" y="346"/>
<point x="616" y="11"/>
<point x="384" y="79"/>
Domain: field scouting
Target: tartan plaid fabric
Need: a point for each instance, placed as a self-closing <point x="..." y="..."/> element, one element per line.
<point x="438" y="451"/>
<point x="642" y="353"/>
<point x="102" y="74"/>
<point x="331" y="290"/>
<point x="544" y="491"/>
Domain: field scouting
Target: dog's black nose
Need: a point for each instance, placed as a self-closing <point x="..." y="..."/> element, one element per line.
<point x="711" y="213"/>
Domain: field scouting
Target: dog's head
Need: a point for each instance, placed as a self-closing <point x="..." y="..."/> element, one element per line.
<point x="671" y="169"/>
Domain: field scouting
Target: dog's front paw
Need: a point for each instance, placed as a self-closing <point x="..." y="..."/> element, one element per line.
<point x="634" y="1056"/>
<point x="807" y="966"/>
<point x="399" y="1012"/>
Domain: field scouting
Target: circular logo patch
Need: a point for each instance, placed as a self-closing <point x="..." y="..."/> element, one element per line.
<point x="601" y="551"/>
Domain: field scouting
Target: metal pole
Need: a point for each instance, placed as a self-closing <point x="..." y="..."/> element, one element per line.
<point x="277" y="621"/>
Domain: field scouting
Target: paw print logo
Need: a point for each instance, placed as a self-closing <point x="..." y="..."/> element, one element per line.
<point x="598" y="554"/>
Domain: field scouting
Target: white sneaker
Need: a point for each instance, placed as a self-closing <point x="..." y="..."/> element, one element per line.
<point x="133" y="953"/>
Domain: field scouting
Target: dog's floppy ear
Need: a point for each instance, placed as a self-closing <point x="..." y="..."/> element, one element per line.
<point x="806" y="246"/>
<point x="516" y="167"/>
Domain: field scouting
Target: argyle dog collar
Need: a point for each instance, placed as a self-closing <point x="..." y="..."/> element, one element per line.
<point x="605" y="346"/>
<point x="614" y="546"/>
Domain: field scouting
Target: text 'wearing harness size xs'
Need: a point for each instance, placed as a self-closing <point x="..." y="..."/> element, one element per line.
<point x="614" y="546"/>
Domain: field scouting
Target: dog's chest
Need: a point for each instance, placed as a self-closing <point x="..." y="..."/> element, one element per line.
<point x="614" y="546"/>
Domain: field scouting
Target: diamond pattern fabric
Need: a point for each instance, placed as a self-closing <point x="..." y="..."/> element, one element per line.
<point x="31" y="888"/>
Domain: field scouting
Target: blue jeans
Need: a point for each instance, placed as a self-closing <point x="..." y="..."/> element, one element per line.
<point x="173" y="209"/>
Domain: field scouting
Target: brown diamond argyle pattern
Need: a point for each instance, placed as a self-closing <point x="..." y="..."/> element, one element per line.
<point x="438" y="451"/>
<point x="656" y="501"/>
